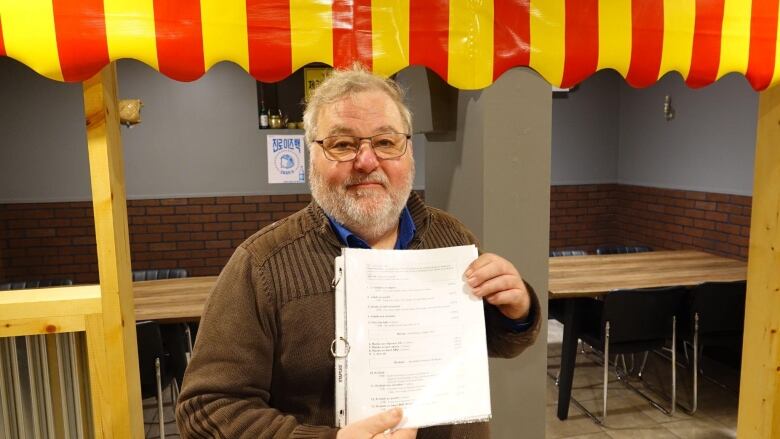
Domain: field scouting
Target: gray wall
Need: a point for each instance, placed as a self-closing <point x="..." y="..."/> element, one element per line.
<point x="605" y="131"/>
<point x="585" y="131"/>
<point x="195" y="139"/>
<point x="708" y="146"/>
<point x="43" y="152"/>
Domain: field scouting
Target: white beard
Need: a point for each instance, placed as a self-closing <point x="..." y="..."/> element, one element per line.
<point x="368" y="212"/>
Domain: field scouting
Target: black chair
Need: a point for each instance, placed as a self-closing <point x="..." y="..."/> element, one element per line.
<point x="175" y="343"/>
<point x="39" y="283"/>
<point x="567" y="252"/>
<point x="161" y="273"/>
<point x="714" y="315"/>
<point x="633" y="321"/>
<point x="621" y="249"/>
<point x="157" y="365"/>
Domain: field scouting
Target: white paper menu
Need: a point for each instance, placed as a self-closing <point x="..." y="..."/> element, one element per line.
<point x="409" y="334"/>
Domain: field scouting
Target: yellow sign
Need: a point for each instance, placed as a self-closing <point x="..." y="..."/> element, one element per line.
<point x="312" y="76"/>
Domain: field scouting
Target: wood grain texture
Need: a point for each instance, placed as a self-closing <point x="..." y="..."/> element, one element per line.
<point x="595" y="275"/>
<point x="172" y="300"/>
<point x="120" y="396"/>
<point x="759" y="398"/>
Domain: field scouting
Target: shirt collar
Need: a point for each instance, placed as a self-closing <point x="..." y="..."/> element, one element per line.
<point x="406" y="231"/>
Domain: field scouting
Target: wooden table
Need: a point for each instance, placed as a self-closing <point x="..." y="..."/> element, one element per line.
<point x="576" y="278"/>
<point x="172" y="300"/>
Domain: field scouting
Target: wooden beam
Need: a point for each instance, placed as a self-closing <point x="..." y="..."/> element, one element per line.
<point x="119" y="389"/>
<point x="759" y="398"/>
<point x="50" y="302"/>
<point x="41" y="325"/>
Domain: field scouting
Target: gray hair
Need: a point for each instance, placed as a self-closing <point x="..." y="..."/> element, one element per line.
<point x="342" y="83"/>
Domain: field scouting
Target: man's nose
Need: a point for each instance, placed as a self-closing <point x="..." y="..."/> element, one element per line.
<point x="366" y="160"/>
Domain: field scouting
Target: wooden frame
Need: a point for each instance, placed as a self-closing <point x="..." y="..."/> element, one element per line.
<point x="759" y="397"/>
<point x="104" y="312"/>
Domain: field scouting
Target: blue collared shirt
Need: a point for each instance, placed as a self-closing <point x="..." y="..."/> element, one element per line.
<point x="406" y="231"/>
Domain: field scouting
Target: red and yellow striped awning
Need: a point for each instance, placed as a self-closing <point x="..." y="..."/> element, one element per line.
<point x="470" y="43"/>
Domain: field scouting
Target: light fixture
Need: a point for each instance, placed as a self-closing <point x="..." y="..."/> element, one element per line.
<point x="668" y="109"/>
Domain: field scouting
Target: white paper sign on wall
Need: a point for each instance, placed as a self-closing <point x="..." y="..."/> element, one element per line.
<point x="286" y="153"/>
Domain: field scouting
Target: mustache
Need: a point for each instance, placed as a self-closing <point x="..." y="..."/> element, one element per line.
<point x="374" y="177"/>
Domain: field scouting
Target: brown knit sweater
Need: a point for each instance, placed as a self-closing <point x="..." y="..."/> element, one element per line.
<point x="262" y="367"/>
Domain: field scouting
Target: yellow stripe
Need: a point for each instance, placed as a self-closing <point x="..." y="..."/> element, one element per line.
<point x="548" y="46"/>
<point x="130" y="30"/>
<point x="311" y="32"/>
<point x="390" y="35"/>
<point x="470" y="53"/>
<point x="776" y="72"/>
<point x="29" y="36"/>
<point x="615" y="35"/>
<point x="224" y="32"/>
<point x="679" y="23"/>
<point x="735" y="37"/>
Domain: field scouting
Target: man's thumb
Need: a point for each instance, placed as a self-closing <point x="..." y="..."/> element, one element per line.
<point x="382" y="421"/>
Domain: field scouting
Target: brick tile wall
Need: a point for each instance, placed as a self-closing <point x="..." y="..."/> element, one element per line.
<point x="57" y="240"/>
<point x="583" y="216"/>
<point x="661" y="218"/>
<point x="674" y="219"/>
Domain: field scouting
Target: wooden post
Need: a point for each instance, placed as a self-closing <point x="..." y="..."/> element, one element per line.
<point x="115" y="379"/>
<point x="759" y="398"/>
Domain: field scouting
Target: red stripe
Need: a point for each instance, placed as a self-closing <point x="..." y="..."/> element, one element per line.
<point x="705" y="58"/>
<point x="352" y="33"/>
<point x="511" y="35"/>
<point x="581" y="40"/>
<point x="268" y="30"/>
<point x="2" y="45"/>
<point x="647" y="42"/>
<point x="763" y="31"/>
<point x="429" y="26"/>
<point x="80" y="27"/>
<point x="179" y="39"/>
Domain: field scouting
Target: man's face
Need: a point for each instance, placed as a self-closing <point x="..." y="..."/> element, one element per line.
<point x="366" y="194"/>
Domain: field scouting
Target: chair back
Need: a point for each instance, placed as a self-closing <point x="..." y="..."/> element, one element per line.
<point x="150" y="347"/>
<point x="174" y="339"/>
<point x="720" y="306"/>
<point x="567" y="252"/>
<point x="642" y="315"/>
<point x="620" y="249"/>
<point x="161" y="273"/>
<point x="37" y="283"/>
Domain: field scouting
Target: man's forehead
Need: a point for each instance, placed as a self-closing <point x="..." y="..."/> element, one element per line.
<point x="346" y="129"/>
<point x="374" y="110"/>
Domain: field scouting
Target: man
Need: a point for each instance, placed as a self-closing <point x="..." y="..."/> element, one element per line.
<point x="262" y="367"/>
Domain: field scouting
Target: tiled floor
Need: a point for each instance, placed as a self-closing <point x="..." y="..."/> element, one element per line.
<point x="628" y="414"/>
<point x="151" y="419"/>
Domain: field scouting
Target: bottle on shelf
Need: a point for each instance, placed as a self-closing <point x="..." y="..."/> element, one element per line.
<point x="263" y="116"/>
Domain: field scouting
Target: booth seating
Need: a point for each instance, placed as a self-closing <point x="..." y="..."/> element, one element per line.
<point x="567" y="252"/>
<point x="39" y="283"/>
<point x="621" y="249"/>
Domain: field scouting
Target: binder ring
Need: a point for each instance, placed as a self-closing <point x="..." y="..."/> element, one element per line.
<point x="333" y="347"/>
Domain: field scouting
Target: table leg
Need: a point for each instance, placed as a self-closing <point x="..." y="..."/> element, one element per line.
<point x="568" y="356"/>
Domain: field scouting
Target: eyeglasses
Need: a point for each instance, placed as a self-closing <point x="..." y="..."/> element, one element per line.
<point x="345" y="148"/>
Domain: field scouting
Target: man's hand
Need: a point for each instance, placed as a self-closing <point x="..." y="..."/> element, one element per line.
<point x="497" y="281"/>
<point x="375" y="427"/>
